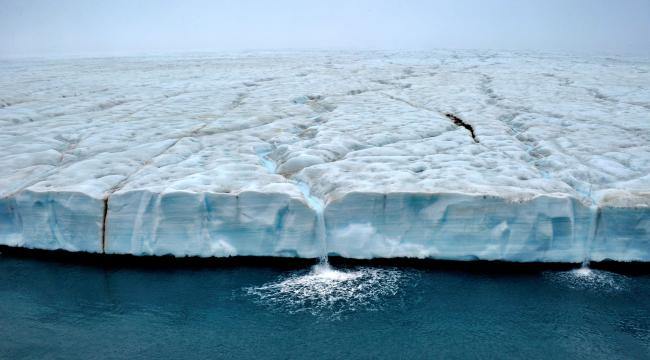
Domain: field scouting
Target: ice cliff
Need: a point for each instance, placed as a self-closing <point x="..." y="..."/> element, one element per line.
<point x="446" y="155"/>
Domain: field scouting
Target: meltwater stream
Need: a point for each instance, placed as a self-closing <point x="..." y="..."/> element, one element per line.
<point x="318" y="206"/>
<point x="331" y="293"/>
<point x="315" y="203"/>
<point x="324" y="290"/>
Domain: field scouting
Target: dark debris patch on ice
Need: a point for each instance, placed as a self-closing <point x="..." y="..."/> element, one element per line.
<point x="459" y="122"/>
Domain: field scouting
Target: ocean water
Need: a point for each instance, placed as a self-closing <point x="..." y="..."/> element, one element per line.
<point x="55" y="310"/>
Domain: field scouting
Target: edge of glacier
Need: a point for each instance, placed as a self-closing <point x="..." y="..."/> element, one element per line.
<point x="359" y="225"/>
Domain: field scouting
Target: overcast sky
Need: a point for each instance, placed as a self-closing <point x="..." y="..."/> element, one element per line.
<point x="119" y="27"/>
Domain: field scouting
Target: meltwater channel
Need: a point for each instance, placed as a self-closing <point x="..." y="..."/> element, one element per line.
<point x="109" y="311"/>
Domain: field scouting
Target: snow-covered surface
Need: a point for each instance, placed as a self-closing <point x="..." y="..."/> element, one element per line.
<point x="211" y="155"/>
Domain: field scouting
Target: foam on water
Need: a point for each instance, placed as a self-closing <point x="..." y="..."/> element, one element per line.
<point x="585" y="278"/>
<point x="329" y="292"/>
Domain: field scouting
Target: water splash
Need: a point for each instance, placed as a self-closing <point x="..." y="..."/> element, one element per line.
<point x="324" y="291"/>
<point x="586" y="278"/>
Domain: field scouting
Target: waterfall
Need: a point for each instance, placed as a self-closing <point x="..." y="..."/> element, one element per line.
<point x="313" y="202"/>
<point x="593" y="226"/>
<point x="324" y="289"/>
<point x="318" y="206"/>
<point x="593" y="231"/>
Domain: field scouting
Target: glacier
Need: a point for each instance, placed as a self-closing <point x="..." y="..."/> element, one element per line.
<point x="458" y="155"/>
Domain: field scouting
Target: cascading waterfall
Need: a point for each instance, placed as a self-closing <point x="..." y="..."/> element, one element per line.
<point x="322" y="289"/>
<point x="584" y="270"/>
<point x="318" y="206"/>
<point x="593" y="229"/>
<point x="584" y="277"/>
<point x="313" y="202"/>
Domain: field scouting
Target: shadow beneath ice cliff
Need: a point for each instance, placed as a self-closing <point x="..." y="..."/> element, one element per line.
<point x="290" y="263"/>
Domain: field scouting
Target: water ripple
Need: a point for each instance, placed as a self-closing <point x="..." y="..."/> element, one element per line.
<point x="585" y="278"/>
<point x="326" y="291"/>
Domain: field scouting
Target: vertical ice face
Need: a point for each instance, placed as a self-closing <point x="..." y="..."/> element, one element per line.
<point x="622" y="233"/>
<point x="320" y="231"/>
<point x="458" y="227"/>
<point x="451" y="155"/>
<point x="52" y="220"/>
<point x="208" y="224"/>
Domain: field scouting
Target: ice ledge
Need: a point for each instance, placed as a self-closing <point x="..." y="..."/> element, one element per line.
<point x="65" y="220"/>
<point x="210" y="224"/>
<point x="361" y="225"/>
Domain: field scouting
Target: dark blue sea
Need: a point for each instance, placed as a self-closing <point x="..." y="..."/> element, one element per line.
<point x="58" y="310"/>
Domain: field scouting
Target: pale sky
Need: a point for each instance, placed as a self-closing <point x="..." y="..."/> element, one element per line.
<point x="124" y="27"/>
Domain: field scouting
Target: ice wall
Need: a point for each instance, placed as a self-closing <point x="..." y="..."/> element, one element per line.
<point x="204" y="224"/>
<point x="70" y="221"/>
<point x="458" y="227"/>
